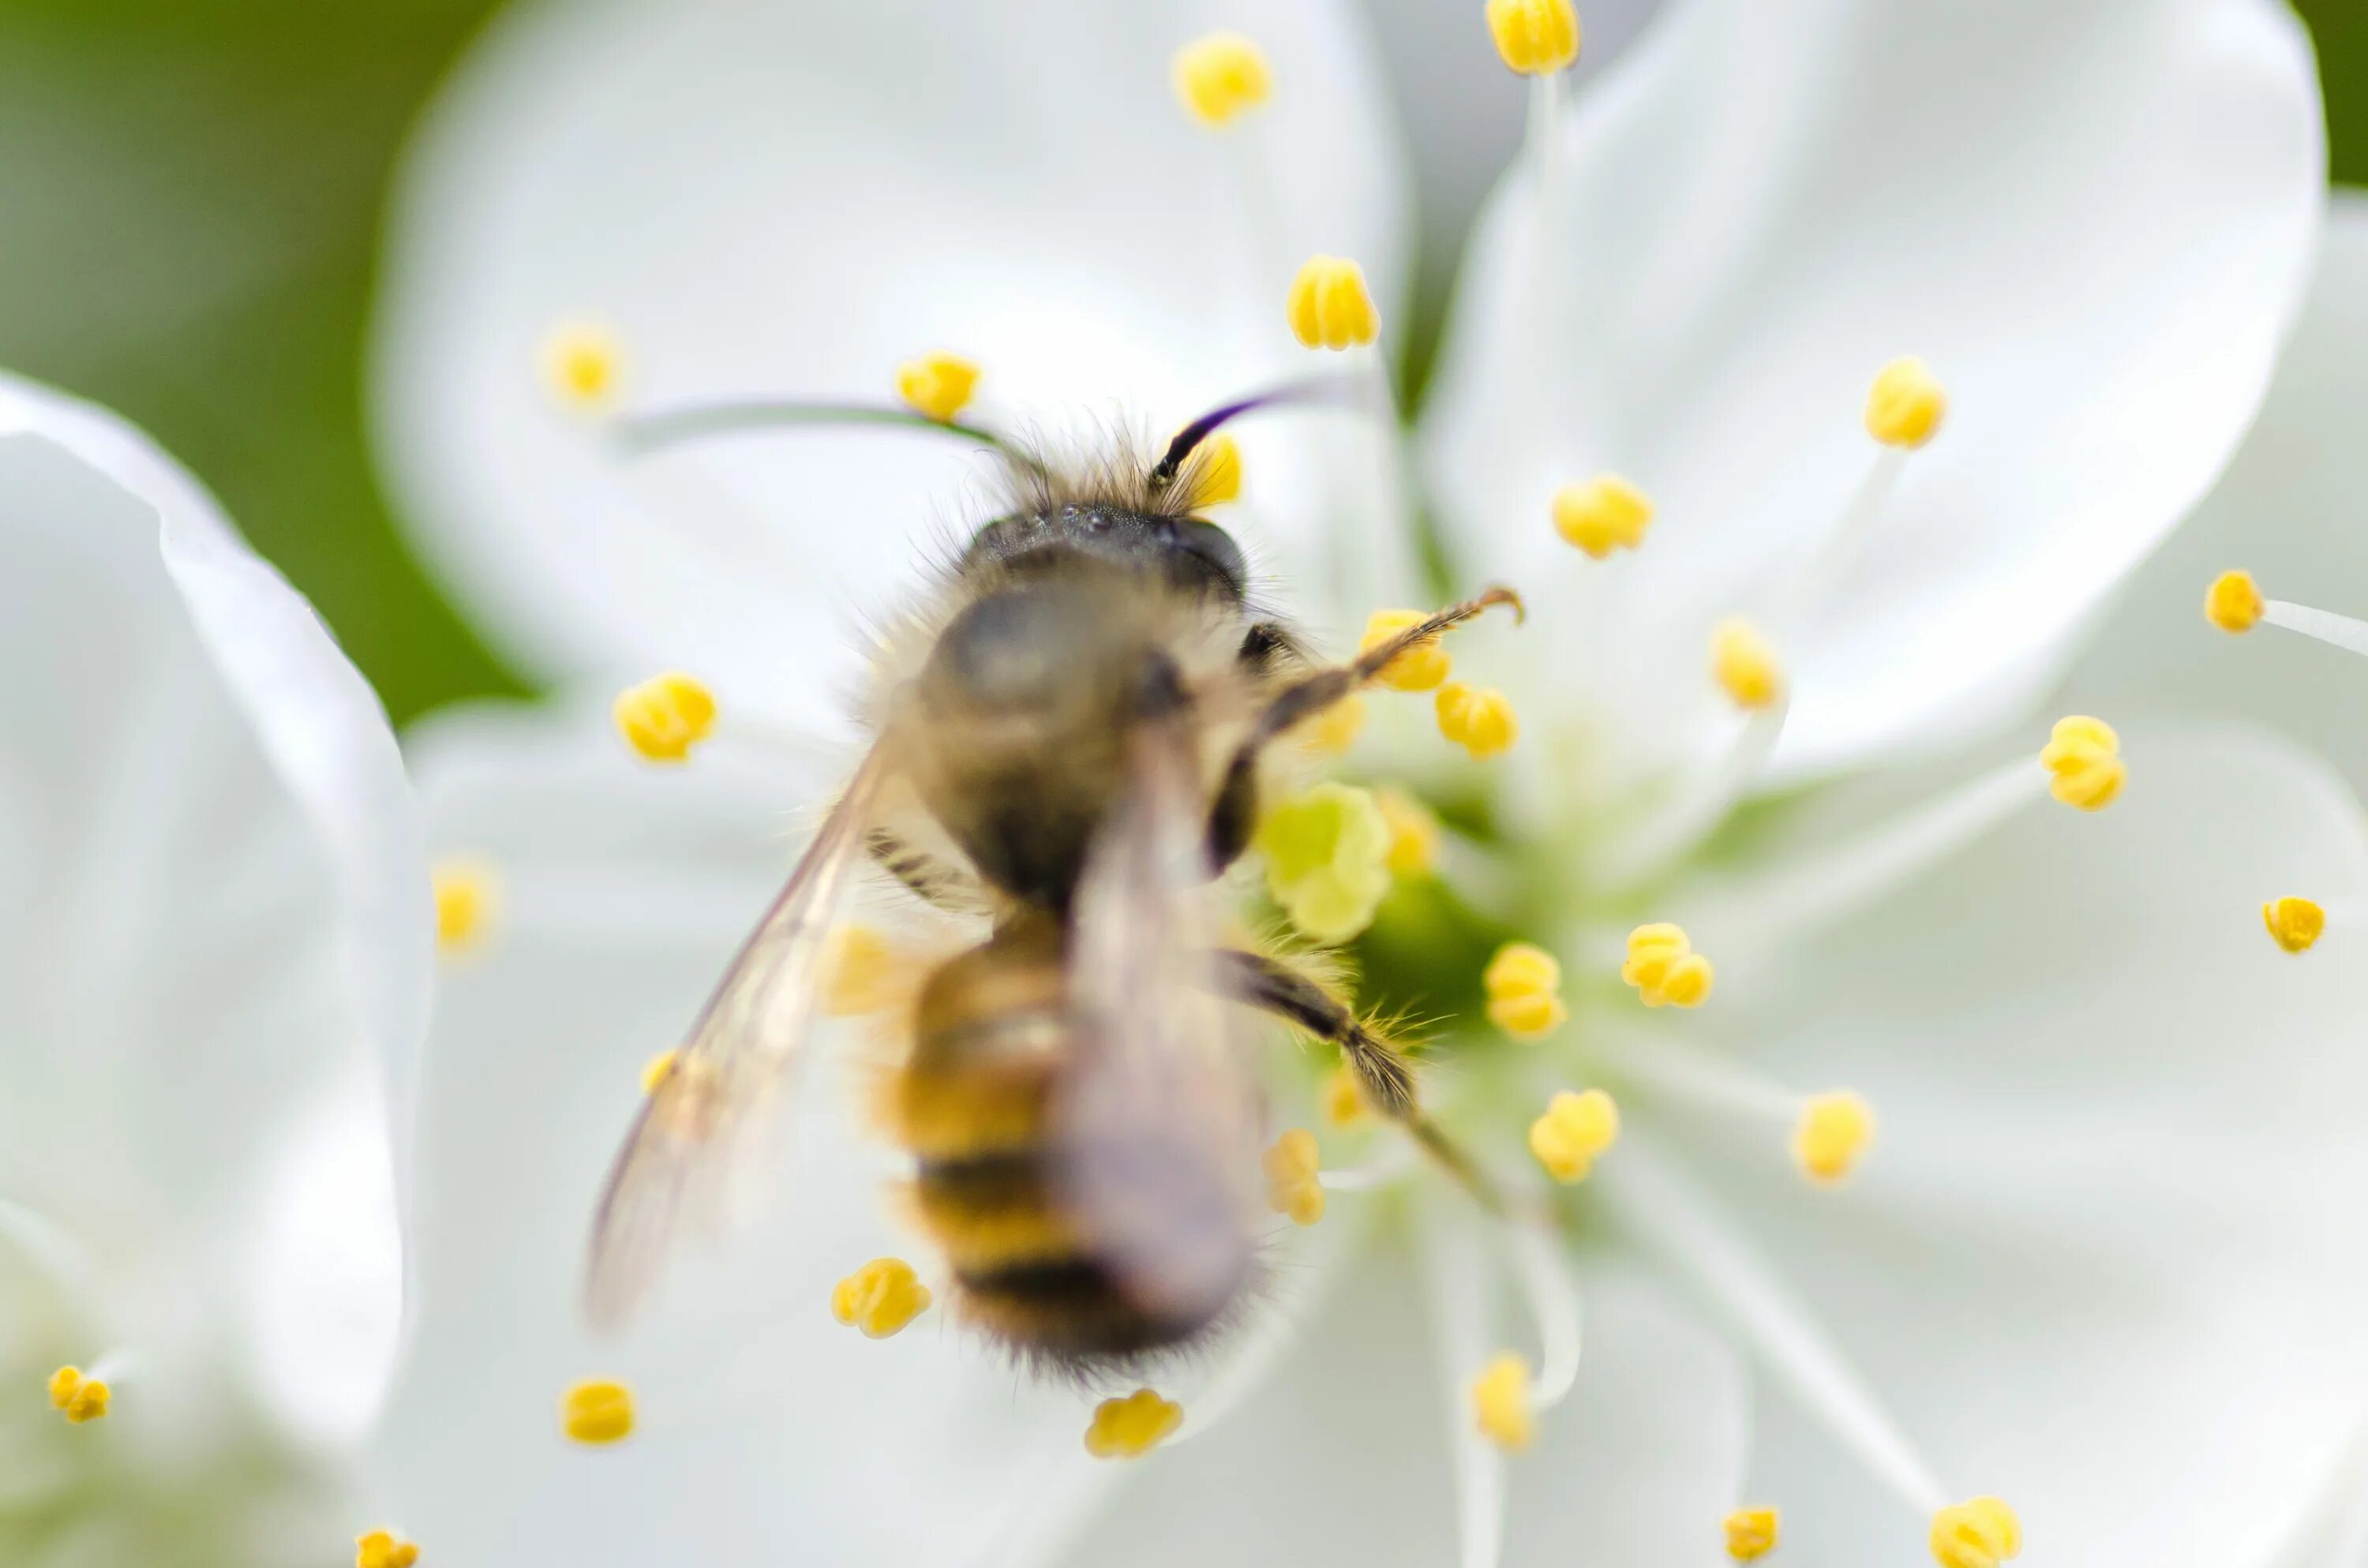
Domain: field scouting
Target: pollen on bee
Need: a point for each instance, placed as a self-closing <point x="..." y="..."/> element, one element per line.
<point x="1479" y="718"/>
<point x="1603" y="514"/>
<point x="1329" y="306"/>
<point x="1906" y="404"/>
<point x="1534" y="37"/>
<point x="1421" y="667"/>
<point x="384" y="1549"/>
<point x="468" y="897"/>
<point x="77" y="1396"/>
<point x="583" y="366"/>
<point x="2084" y="757"/>
<point x="2234" y="602"/>
<point x="1131" y="1428"/>
<point x="1751" y="1533"/>
<point x="1746" y="665"/>
<point x="2294" y="924"/>
<point x="1523" y="984"/>
<point x="1502" y="1406"/>
<point x="663" y="717"/>
<point x="1220" y="77"/>
<point x="1832" y="1135"/>
<point x="1980" y="1533"/>
<point x="1664" y="967"/>
<point x="1292" y="1167"/>
<point x="937" y="385"/>
<point x="879" y="1298"/>
<point x="597" y="1411"/>
<point x="1576" y="1130"/>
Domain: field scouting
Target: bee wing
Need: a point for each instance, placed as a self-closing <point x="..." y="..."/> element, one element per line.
<point x="1156" y="1134"/>
<point x="700" y="1127"/>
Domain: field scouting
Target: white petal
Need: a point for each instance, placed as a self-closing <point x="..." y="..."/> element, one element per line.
<point x="792" y="198"/>
<point x="2094" y="220"/>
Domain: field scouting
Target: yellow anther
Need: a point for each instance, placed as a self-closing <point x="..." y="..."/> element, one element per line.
<point x="1664" y="967"/>
<point x="1131" y="1428"/>
<point x="1501" y="1403"/>
<point x="1327" y="854"/>
<point x="384" y="1549"/>
<point x="1831" y="1135"/>
<point x="656" y="1070"/>
<point x="937" y="385"/>
<point x="1746" y="665"/>
<point x="880" y="1298"/>
<point x="1534" y="37"/>
<point x="2085" y="756"/>
<point x="1524" y="988"/>
<point x="1219" y="478"/>
<point x="864" y="968"/>
<point x="664" y="716"/>
<point x="1906" y="404"/>
<point x="78" y="1397"/>
<point x="1603" y="514"/>
<point x="2294" y="923"/>
<point x="1576" y="1130"/>
<point x="1220" y="75"/>
<point x="1414" y="832"/>
<point x="1344" y="1102"/>
<point x="1421" y="667"/>
<point x="468" y="895"/>
<point x="1479" y="718"/>
<point x="583" y="365"/>
<point x="1329" y="307"/>
<point x="1336" y="729"/>
<point x="2234" y="602"/>
<point x="1750" y="1534"/>
<point x="1982" y="1533"/>
<point x="1291" y="1170"/>
<point x="597" y="1412"/>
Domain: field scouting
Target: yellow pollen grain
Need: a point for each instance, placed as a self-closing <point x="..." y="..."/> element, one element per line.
<point x="937" y="386"/>
<point x="1344" y="1102"/>
<point x="1664" y="967"/>
<point x="656" y="1070"/>
<point x="1131" y="1428"/>
<point x="582" y="363"/>
<point x="1325" y="855"/>
<point x="880" y="1298"/>
<point x="1334" y="731"/>
<point x="1750" y="1534"/>
<point x="1421" y="667"/>
<point x="1981" y="1533"/>
<point x="864" y="967"/>
<point x="1535" y="37"/>
<point x="1501" y="1403"/>
<point x="1220" y="75"/>
<point x="1292" y="1188"/>
<point x="468" y="895"/>
<point x="1832" y="1134"/>
<point x="1479" y="718"/>
<point x="384" y="1549"/>
<point x="2294" y="923"/>
<point x="1744" y="664"/>
<point x="1576" y="1130"/>
<point x="1906" y="404"/>
<point x="1601" y="515"/>
<point x="1414" y="834"/>
<point x="663" y="717"/>
<point x="1523" y="984"/>
<point x="2234" y="602"/>
<point x="77" y="1396"/>
<point x="1220" y="476"/>
<point x="1329" y="305"/>
<point x="597" y="1411"/>
<point x="2084" y="756"/>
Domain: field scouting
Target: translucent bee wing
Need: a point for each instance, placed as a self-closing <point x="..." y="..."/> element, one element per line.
<point x="700" y="1129"/>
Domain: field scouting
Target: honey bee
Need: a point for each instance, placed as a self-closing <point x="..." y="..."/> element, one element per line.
<point x="1067" y="737"/>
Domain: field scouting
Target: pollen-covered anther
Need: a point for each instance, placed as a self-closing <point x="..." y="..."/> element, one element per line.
<point x="2294" y="923"/>
<point x="1479" y="718"/>
<point x="1982" y="1533"/>
<point x="1750" y="1534"/>
<point x="1414" y="832"/>
<point x="1334" y="731"/>
<point x="657" y="1070"/>
<point x="1344" y="1100"/>
<point x="937" y="386"/>
<point x="468" y="895"/>
<point x="1502" y="1406"/>
<point x="863" y="966"/>
<point x="2234" y="602"/>
<point x="1576" y="1130"/>
<point x="1523" y="983"/>
<point x="1292" y="1167"/>
<point x="1327" y="854"/>
<point x="1329" y="306"/>
<point x="1746" y="665"/>
<point x="77" y="1396"/>
<point x="1664" y="967"/>
<point x="1832" y="1134"/>
<point x="1906" y="404"/>
<point x="1131" y="1428"/>
<point x="1535" y="37"/>
<point x="583" y="366"/>
<point x="1218" y="479"/>
<point x="880" y="1298"/>
<point x="1601" y="515"/>
<point x="2085" y="757"/>
<point x="384" y="1549"/>
<point x="1220" y="75"/>
<point x="597" y="1411"/>
<point x="1421" y="667"/>
<point x="663" y="717"/>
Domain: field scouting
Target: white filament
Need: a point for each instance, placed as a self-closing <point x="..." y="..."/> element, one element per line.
<point x="2338" y="631"/>
<point x="1457" y="1272"/>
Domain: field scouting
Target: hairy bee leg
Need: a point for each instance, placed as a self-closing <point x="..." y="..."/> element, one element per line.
<point x="1382" y="1070"/>
<point x="1235" y="812"/>
<point x="929" y="878"/>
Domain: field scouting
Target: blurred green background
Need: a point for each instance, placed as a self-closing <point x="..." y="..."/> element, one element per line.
<point x="190" y="192"/>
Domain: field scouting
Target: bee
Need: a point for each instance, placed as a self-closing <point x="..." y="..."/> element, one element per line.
<point x="1067" y="736"/>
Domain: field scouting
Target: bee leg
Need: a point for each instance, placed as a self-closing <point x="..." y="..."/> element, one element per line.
<point x="1235" y="814"/>
<point x="1384" y="1073"/>
<point x="1267" y="646"/>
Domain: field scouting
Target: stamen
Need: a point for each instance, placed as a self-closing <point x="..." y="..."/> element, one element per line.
<point x="1576" y="1130"/>
<point x="656" y="1071"/>
<point x="1334" y="731"/>
<point x="1523" y="983"/>
<point x="596" y="1413"/>
<point x="1329" y="306"/>
<point x="2234" y="602"/>
<point x="1833" y="1133"/>
<point x="880" y="1298"/>
<point x="1750" y="1534"/>
<point x="864" y="971"/>
<point x="384" y="1549"/>
<point x="468" y="896"/>
<point x="1601" y="515"/>
<point x="1479" y="718"/>
<point x="1501" y="1403"/>
<point x="1421" y="667"/>
<point x="1220" y="77"/>
<point x="663" y="717"/>
<point x="1325" y="855"/>
<point x="1535" y="37"/>
<point x="583" y="365"/>
<point x="1131" y="1428"/>
<point x="1664" y="967"/>
<point x="1744" y="664"/>
<point x="1292" y="1169"/>
<point x="1459" y="1282"/>
<point x="2294" y="923"/>
<point x="78" y="1396"/>
<point x="1907" y="405"/>
<point x="1344" y="1102"/>
<point x="937" y="386"/>
<point x="1977" y="1534"/>
<point x="1414" y="834"/>
<point x="2085" y="757"/>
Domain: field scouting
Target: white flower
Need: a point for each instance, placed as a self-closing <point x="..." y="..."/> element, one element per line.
<point x="215" y="974"/>
<point x="2091" y="1258"/>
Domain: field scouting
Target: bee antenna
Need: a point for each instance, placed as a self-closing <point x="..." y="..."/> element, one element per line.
<point x="647" y="432"/>
<point x="1315" y="389"/>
